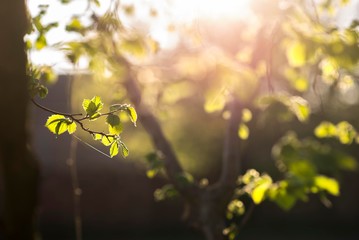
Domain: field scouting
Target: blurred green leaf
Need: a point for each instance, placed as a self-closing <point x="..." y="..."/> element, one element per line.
<point x="40" y="42"/>
<point x="75" y="26"/>
<point x="325" y="129"/>
<point x="166" y="192"/>
<point x="328" y="184"/>
<point x="243" y="131"/>
<point x="296" y="54"/>
<point x="262" y="185"/>
<point x="124" y="150"/>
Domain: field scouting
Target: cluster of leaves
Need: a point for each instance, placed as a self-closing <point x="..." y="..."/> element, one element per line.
<point x="343" y="131"/>
<point x="306" y="165"/>
<point x="286" y="107"/>
<point x="331" y="50"/>
<point x="168" y="191"/>
<point x="155" y="164"/>
<point x="40" y="28"/>
<point x="39" y="77"/>
<point x="59" y="123"/>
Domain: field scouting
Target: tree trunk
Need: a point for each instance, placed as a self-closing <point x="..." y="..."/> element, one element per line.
<point x="207" y="213"/>
<point x="20" y="170"/>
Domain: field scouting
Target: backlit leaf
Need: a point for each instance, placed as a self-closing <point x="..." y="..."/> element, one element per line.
<point x="258" y="193"/>
<point x="92" y="107"/>
<point x="71" y="128"/>
<point x="300" y="108"/>
<point x="243" y="131"/>
<point x="107" y="141"/>
<point x="325" y="129"/>
<point x="114" y="124"/>
<point x="57" y="124"/>
<point x="296" y="54"/>
<point x="246" y="115"/>
<point x="345" y="132"/>
<point x="132" y="114"/>
<point x="329" y="184"/>
<point x="114" y="149"/>
<point x="124" y="149"/>
<point x="97" y="136"/>
<point x="75" y="25"/>
<point x="40" y="42"/>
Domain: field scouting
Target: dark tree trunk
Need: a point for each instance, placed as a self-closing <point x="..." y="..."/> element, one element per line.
<point x="19" y="168"/>
<point x="206" y="213"/>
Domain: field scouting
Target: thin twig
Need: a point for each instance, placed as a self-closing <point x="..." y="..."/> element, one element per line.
<point x="53" y="111"/>
<point x="73" y="118"/>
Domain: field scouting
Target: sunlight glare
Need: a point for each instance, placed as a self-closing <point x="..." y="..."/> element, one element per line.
<point x="222" y="9"/>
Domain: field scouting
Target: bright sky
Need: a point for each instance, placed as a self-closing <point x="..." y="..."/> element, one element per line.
<point x="175" y="11"/>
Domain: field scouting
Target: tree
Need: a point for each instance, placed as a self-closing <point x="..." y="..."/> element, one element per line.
<point x="295" y="52"/>
<point x="20" y="170"/>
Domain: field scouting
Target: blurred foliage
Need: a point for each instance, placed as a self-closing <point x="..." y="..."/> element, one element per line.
<point x="292" y="66"/>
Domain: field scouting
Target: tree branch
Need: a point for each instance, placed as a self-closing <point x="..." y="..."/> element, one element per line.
<point x="153" y="128"/>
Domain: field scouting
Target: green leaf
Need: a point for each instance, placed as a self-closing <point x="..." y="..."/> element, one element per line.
<point x="61" y="127"/>
<point x="57" y="124"/>
<point x="114" y="124"/>
<point x="76" y="26"/>
<point x="71" y="128"/>
<point x="215" y="102"/>
<point x="92" y="107"/>
<point x="325" y="129"/>
<point x="42" y="91"/>
<point x="285" y="200"/>
<point x="124" y="150"/>
<point x="40" y="42"/>
<point x="136" y="47"/>
<point x="47" y="74"/>
<point x="97" y="136"/>
<point x="300" y="108"/>
<point x="260" y="190"/>
<point x="345" y="132"/>
<point x="296" y="54"/>
<point x="250" y="176"/>
<point x="96" y="2"/>
<point x="329" y="184"/>
<point x="118" y="107"/>
<point x="347" y="163"/>
<point x="166" y="192"/>
<point x="235" y="207"/>
<point x="184" y="179"/>
<point x="243" y="131"/>
<point x="132" y="114"/>
<point x="246" y="115"/>
<point x="114" y="149"/>
<point x="155" y="164"/>
<point x="107" y="141"/>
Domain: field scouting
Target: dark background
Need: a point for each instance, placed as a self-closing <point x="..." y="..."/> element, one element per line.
<point x="117" y="198"/>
